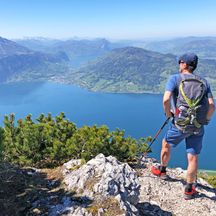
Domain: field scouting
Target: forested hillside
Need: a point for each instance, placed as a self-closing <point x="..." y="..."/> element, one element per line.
<point x="136" y="70"/>
<point x="99" y="65"/>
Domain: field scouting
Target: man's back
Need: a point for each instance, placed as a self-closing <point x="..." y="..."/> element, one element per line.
<point x="174" y="136"/>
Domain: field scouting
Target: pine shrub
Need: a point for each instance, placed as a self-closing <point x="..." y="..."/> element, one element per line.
<point x="49" y="142"/>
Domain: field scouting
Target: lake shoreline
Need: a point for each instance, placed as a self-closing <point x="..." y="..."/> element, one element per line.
<point x="139" y="115"/>
<point x="209" y="172"/>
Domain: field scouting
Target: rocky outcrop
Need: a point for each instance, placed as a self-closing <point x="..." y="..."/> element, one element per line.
<point x="104" y="186"/>
<point x="107" y="181"/>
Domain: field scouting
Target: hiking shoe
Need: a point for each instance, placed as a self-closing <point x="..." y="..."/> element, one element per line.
<point x="155" y="170"/>
<point x="190" y="194"/>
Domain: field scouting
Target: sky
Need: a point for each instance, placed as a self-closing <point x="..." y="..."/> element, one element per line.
<point x="111" y="19"/>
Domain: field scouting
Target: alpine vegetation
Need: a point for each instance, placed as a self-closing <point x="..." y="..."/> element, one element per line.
<point x="49" y="142"/>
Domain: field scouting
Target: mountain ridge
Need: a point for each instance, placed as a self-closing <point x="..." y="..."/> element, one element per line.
<point x="8" y="47"/>
<point x="16" y="59"/>
<point x="99" y="65"/>
<point x="135" y="70"/>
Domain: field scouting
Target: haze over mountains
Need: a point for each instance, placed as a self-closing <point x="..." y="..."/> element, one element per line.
<point x="204" y="47"/>
<point x="16" y="59"/>
<point x="78" y="51"/>
<point x="101" y="65"/>
<point x="8" y="48"/>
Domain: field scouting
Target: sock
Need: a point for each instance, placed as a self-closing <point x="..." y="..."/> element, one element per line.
<point x="163" y="169"/>
<point x="188" y="187"/>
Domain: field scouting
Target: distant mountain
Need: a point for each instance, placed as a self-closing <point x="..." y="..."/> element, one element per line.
<point x="37" y="43"/>
<point x="127" y="69"/>
<point x="204" y="47"/>
<point x="79" y="51"/>
<point x="100" y="67"/>
<point x="82" y="51"/>
<point x="31" y="66"/>
<point x="16" y="60"/>
<point x="135" y="70"/>
<point x="8" y="47"/>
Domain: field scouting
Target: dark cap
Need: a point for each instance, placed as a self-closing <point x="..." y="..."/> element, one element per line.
<point x="190" y="59"/>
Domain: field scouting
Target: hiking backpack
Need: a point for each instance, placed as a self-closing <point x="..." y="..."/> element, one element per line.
<point x="192" y="104"/>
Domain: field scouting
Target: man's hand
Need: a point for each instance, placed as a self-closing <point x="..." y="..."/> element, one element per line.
<point x="169" y="114"/>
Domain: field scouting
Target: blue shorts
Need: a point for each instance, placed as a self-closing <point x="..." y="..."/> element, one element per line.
<point x="193" y="142"/>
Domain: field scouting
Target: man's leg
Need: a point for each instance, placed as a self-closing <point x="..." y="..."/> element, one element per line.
<point x="171" y="139"/>
<point x="190" y="190"/>
<point x="193" y="146"/>
<point x="165" y="153"/>
<point x="165" y="156"/>
<point x="192" y="168"/>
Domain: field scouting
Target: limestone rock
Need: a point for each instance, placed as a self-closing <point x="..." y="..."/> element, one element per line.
<point x="105" y="186"/>
<point x="108" y="178"/>
<point x="66" y="168"/>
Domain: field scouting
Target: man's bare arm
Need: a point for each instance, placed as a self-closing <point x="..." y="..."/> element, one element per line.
<point x="166" y="103"/>
<point x="211" y="108"/>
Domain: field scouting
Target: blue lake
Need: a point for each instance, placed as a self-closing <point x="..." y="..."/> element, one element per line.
<point x="140" y="115"/>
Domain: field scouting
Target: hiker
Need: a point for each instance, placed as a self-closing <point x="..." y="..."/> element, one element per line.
<point x="193" y="108"/>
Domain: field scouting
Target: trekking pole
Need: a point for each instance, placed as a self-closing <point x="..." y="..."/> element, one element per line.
<point x="164" y="124"/>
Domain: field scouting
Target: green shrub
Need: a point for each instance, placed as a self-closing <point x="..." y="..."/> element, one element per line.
<point x="211" y="179"/>
<point x="51" y="141"/>
<point x="1" y="144"/>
